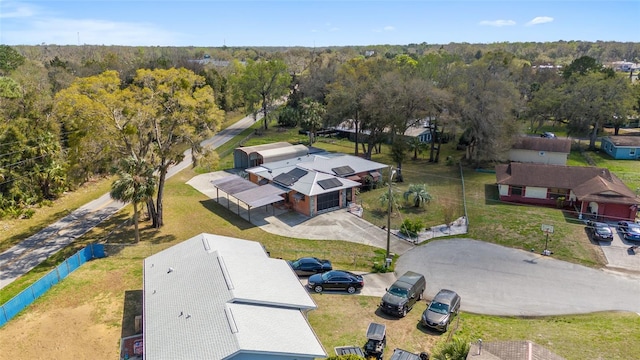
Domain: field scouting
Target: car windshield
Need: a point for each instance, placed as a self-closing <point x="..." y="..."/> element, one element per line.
<point x="634" y="228"/>
<point x="398" y="291"/>
<point x="296" y="263"/>
<point x="439" y="308"/>
<point x="329" y="275"/>
<point x="603" y="229"/>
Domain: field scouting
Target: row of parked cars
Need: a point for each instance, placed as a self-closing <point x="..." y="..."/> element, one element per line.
<point x="323" y="277"/>
<point x="602" y="231"/>
<point x="399" y="299"/>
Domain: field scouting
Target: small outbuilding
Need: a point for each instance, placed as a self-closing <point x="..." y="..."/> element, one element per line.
<point x="621" y="147"/>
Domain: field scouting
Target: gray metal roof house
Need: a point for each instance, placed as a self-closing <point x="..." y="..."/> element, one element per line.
<point x="216" y="297"/>
<point x="317" y="183"/>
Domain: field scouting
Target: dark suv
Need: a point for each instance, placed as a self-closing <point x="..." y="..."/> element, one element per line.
<point x="444" y="306"/>
<point x="403" y="294"/>
<point x="600" y="231"/>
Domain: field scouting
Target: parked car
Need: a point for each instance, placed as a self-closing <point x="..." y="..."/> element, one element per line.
<point x="336" y="280"/>
<point x="600" y="231"/>
<point x="548" y="135"/>
<point x="441" y="310"/>
<point x="403" y="294"/>
<point x="629" y="230"/>
<point x="399" y="354"/>
<point x="310" y="265"/>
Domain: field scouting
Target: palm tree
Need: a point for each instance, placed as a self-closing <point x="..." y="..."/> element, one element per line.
<point x="417" y="147"/>
<point x="136" y="183"/>
<point x="420" y="194"/>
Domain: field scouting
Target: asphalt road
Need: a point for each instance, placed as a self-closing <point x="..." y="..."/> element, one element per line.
<point x="29" y="253"/>
<point x="496" y="280"/>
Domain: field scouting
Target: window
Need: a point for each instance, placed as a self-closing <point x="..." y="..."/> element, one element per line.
<point x="554" y="193"/>
<point x="632" y="152"/>
<point x="516" y="191"/>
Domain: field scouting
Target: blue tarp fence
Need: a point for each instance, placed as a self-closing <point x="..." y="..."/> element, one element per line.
<point x="12" y="307"/>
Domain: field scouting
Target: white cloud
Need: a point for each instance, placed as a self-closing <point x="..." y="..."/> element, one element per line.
<point x="540" y="20"/>
<point x="497" y="23"/>
<point x="96" y="32"/>
<point x="389" y="28"/>
<point x="10" y="10"/>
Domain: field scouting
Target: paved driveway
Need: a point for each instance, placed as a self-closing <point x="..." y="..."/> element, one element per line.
<point x="496" y="280"/>
<point x="617" y="254"/>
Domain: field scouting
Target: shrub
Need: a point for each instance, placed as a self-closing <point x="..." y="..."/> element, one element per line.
<point x="411" y="228"/>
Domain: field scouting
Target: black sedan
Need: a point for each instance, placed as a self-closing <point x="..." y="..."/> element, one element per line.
<point x="310" y="265"/>
<point x="629" y="230"/>
<point x="600" y="231"/>
<point x="336" y="280"/>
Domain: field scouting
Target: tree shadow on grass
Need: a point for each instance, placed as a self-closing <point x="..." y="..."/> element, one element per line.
<point x="227" y="214"/>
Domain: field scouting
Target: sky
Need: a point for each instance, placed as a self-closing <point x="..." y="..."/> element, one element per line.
<point x="311" y="23"/>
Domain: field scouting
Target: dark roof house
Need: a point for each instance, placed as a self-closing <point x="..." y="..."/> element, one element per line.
<point x="540" y="150"/>
<point x="591" y="190"/>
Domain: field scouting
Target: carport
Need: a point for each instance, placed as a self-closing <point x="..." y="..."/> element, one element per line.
<point x="252" y="195"/>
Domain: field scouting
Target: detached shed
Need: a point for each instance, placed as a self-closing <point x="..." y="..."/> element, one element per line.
<point x="251" y="156"/>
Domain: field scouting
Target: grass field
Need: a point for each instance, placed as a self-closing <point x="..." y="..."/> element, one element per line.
<point x="82" y="317"/>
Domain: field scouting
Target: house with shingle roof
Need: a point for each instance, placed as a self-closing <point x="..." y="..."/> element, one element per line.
<point x="593" y="191"/>
<point x="317" y="183"/>
<point x="621" y="147"/>
<point x="540" y="150"/>
<point x="217" y="297"/>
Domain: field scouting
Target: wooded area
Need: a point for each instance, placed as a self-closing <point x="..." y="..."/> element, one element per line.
<point x="70" y="113"/>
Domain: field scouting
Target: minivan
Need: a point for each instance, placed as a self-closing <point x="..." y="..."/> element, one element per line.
<point x="403" y="294"/>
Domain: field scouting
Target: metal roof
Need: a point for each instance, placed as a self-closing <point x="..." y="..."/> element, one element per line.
<point x="216" y="297"/>
<point x="233" y="184"/>
<point x="261" y="195"/>
<point x="283" y="153"/>
<point x="258" y="148"/>
<point x="253" y="195"/>
<point x="357" y="164"/>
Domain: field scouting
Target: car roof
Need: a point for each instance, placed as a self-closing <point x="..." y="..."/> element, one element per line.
<point x="342" y="272"/>
<point x="445" y="296"/>
<point x="376" y="331"/>
<point x="596" y="223"/>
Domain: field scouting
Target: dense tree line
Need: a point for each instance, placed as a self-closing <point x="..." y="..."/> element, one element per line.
<point x="69" y="113"/>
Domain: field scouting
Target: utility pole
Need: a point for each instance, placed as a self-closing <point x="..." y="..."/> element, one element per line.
<point x="391" y="172"/>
